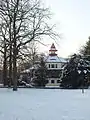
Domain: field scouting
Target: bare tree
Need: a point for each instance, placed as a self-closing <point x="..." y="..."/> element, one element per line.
<point x="4" y="49"/>
<point x="26" y="20"/>
<point x="28" y="56"/>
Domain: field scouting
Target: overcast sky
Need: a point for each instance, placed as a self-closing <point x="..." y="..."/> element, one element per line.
<point x="73" y="22"/>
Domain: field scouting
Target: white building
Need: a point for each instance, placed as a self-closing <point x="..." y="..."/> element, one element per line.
<point x="54" y="65"/>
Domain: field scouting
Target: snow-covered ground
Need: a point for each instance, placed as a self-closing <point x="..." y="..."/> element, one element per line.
<point x="44" y="104"/>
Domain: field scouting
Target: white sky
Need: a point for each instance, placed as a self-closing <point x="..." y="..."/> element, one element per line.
<point x="73" y="22"/>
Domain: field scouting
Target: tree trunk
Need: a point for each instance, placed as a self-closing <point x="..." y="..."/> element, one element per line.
<point x="10" y="67"/>
<point x="5" y="82"/>
<point x="14" y="55"/>
<point x="10" y="57"/>
<point x="14" y="69"/>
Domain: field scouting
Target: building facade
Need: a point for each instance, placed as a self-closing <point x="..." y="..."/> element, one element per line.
<point x="54" y="65"/>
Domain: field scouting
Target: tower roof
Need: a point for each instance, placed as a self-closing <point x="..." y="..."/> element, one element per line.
<point x="52" y="48"/>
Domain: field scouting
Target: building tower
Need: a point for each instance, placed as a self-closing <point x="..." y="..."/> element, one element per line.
<point x="54" y="65"/>
<point x="52" y="51"/>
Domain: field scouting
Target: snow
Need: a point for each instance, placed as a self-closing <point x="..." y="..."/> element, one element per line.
<point x="44" y="104"/>
<point x="52" y="86"/>
<point x="63" y="60"/>
<point x="1" y="85"/>
<point x="55" y="59"/>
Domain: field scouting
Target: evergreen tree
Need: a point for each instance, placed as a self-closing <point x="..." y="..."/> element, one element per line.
<point x="85" y="51"/>
<point x="40" y="79"/>
<point x="75" y="73"/>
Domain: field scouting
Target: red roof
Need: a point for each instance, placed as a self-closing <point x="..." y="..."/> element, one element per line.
<point x="53" y="48"/>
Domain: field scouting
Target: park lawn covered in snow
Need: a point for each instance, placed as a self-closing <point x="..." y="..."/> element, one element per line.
<point x="44" y="104"/>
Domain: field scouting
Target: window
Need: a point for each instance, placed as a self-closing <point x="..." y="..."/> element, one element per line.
<point x="52" y="81"/>
<point x="49" y="65"/>
<point x="47" y="81"/>
<point x="52" y="65"/>
<point x="58" y="81"/>
<point x="56" y="65"/>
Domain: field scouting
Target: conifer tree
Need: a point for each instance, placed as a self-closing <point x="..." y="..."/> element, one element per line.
<point x="85" y="51"/>
<point x="75" y="73"/>
<point x="41" y="74"/>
